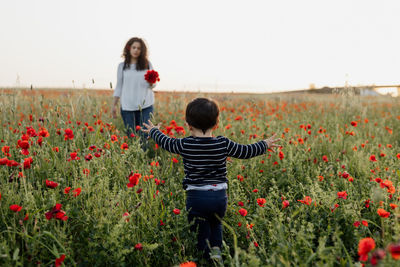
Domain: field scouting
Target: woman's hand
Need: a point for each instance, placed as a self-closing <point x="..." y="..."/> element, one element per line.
<point x="147" y="127"/>
<point x="271" y="142"/>
<point x="151" y="85"/>
<point x="114" y="111"/>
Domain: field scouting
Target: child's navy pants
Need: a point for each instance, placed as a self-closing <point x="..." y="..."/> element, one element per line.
<point x="202" y="207"/>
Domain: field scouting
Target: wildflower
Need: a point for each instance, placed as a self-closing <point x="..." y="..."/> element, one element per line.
<point x="394" y="250"/>
<point x="392" y="206"/>
<point x="365" y="223"/>
<point x="51" y="184"/>
<point x="67" y="189"/>
<point x="174" y="160"/>
<point x="354" y="123"/>
<point x="334" y="207"/>
<point x="383" y="213"/>
<point x="240" y="203"/>
<point x="124" y="146"/>
<point x="342" y="194"/>
<point x="68" y="134"/>
<point x="372" y="158"/>
<point x="356" y="224"/>
<point x="261" y="201"/>
<point x="133" y="179"/>
<point x="56" y="213"/>
<point x="243" y="212"/>
<point x="364" y="247"/>
<point x="325" y="158"/>
<point x="177" y="211"/>
<point x="138" y="246"/>
<point x="285" y="204"/>
<point x="60" y="260"/>
<point x="281" y="155"/>
<point x="15" y="208"/>
<point x="377" y="256"/>
<point x="307" y="200"/>
<point x="345" y="174"/>
<point x="188" y="264"/>
<point x="27" y="163"/>
<point x="77" y="191"/>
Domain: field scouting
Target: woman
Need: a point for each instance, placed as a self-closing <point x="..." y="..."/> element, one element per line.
<point x="134" y="92"/>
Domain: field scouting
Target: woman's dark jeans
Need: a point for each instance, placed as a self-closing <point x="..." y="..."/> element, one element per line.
<point x="136" y="118"/>
<point x="202" y="207"/>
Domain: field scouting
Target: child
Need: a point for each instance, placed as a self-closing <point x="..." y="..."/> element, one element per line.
<point x="204" y="161"/>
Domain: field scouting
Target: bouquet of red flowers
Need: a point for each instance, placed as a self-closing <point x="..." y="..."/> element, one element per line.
<point x="152" y="76"/>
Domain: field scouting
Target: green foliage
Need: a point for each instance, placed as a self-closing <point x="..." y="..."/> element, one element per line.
<point x="107" y="219"/>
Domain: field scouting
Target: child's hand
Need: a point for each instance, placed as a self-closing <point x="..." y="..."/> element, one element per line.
<point x="271" y="142"/>
<point x="148" y="127"/>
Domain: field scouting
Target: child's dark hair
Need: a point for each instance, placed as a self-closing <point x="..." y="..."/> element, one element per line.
<point x="202" y="113"/>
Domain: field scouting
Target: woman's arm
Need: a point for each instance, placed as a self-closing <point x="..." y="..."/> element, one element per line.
<point x="118" y="89"/>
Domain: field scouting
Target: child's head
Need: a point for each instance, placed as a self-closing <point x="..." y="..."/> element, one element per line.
<point x="202" y="113"/>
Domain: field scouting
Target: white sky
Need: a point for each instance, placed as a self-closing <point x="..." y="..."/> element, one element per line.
<point x="203" y="45"/>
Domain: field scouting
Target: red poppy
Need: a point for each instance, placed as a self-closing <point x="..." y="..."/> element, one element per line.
<point x="67" y="189"/>
<point x="60" y="260"/>
<point x="285" y="204"/>
<point x="240" y="203"/>
<point x="56" y="213"/>
<point x="261" y="202"/>
<point x="3" y="161"/>
<point x="77" y="191"/>
<point x="124" y="146"/>
<point x="367" y="203"/>
<point x="15" y="208"/>
<point x="342" y="194"/>
<point x="325" y="158"/>
<point x="372" y="158"/>
<point x="243" y="212"/>
<point x="51" y="184"/>
<point x="394" y="250"/>
<point x="354" y="123"/>
<point x="188" y="264"/>
<point x="365" y="223"/>
<point x="44" y="133"/>
<point x="356" y="224"/>
<point x="177" y="211"/>
<point x="383" y="213"/>
<point x="68" y="134"/>
<point x="133" y="179"/>
<point x="27" y="163"/>
<point x="88" y="157"/>
<point x="174" y="160"/>
<point x="307" y="200"/>
<point x="138" y="246"/>
<point x="23" y="144"/>
<point x="364" y="247"/>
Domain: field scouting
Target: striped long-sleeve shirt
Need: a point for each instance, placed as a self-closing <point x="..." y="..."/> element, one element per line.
<point x="204" y="158"/>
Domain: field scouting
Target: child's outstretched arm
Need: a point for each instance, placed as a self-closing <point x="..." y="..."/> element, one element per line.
<point x="173" y="145"/>
<point x="248" y="151"/>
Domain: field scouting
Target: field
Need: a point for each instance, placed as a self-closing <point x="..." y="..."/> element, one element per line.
<point x="75" y="191"/>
